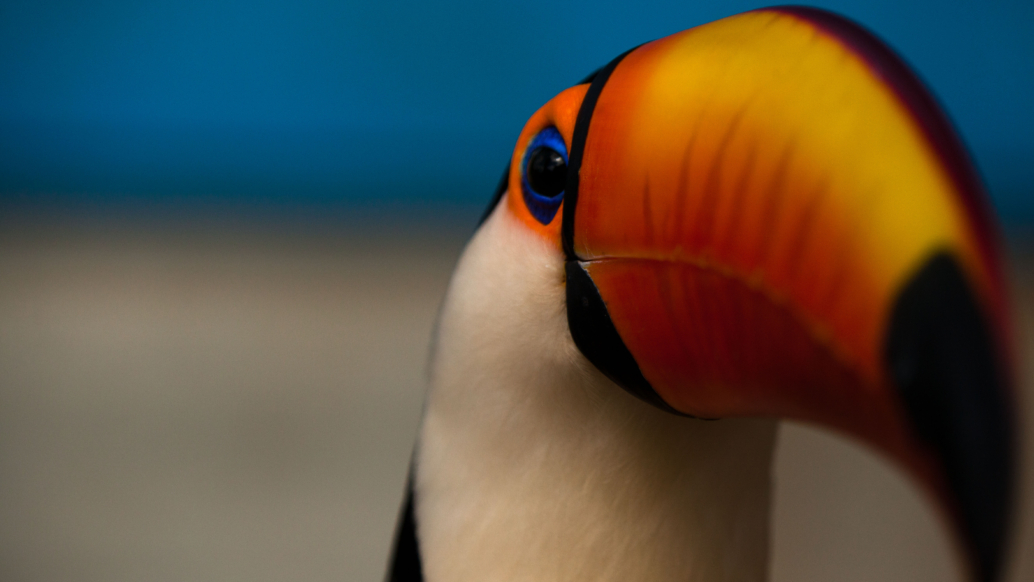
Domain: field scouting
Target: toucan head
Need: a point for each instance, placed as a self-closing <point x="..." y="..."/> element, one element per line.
<point x="769" y="216"/>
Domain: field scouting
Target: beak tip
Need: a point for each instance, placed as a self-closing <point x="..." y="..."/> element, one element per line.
<point x="941" y="356"/>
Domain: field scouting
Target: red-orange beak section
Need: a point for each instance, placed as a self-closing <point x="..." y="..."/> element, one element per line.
<point x="769" y="216"/>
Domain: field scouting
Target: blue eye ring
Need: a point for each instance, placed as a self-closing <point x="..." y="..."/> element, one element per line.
<point x="543" y="154"/>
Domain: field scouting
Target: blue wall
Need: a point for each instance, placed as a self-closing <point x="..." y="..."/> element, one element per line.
<point x="365" y="103"/>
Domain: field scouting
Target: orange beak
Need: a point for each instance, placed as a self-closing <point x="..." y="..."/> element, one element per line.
<point x="769" y="216"/>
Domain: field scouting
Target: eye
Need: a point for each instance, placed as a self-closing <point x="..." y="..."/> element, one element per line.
<point x="544" y="174"/>
<point x="547" y="171"/>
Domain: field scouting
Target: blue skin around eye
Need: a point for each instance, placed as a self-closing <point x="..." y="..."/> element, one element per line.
<point x="543" y="208"/>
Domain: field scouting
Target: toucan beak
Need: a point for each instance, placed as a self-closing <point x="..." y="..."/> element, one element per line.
<point x="769" y="216"/>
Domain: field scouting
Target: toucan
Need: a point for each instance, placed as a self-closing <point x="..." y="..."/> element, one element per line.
<point x="765" y="217"/>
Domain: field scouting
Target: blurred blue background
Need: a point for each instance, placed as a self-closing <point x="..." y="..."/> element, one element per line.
<point x="335" y="108"/>
<point x="212" y="360"/>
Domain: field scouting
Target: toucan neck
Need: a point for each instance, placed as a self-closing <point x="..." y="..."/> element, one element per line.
<point x="533" y="466"/>
<point x="607" y="500"/>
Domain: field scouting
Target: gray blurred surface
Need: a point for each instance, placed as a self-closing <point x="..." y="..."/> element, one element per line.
<point x="219" y="407"/>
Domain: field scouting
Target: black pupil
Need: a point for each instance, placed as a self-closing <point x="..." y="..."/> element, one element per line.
<point x="547" y="171"/>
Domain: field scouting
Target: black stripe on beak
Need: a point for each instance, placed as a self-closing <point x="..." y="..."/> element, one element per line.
<point x="577" y="150"/>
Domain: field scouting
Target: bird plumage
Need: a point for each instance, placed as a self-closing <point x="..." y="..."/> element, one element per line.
<point x="535" y="466"/>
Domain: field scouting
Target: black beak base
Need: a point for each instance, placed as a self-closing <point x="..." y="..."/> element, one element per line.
<point x="596" y="337"/>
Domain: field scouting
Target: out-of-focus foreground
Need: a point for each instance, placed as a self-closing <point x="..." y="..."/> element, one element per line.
<point x="214" y="407"/>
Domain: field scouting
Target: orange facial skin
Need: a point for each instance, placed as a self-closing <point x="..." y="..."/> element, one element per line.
<point x="754" y="195"/>
<point x="560" y="112"/>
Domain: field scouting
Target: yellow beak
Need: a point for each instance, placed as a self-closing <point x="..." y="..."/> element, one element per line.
<point x="769" y="216"/>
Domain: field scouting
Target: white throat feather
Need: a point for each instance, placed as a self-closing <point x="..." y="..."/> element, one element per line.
<point x="533" y="466"/>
